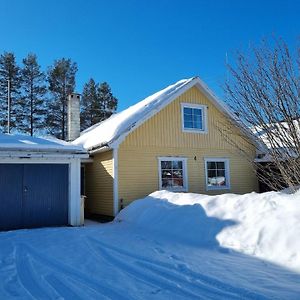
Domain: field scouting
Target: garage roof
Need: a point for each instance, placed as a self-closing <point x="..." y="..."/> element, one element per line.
<point x="16" y="142"/>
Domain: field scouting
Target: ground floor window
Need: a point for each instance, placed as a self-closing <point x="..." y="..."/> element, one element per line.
<point x="217" y="173"/>
<point x="172" y="173"/>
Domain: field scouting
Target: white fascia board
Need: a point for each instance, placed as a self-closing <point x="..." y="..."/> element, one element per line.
<point x="87" y="160"/>
<point x="41" y="148"/>
<point x="99" y="150"/>
<point x="29" y="155"/>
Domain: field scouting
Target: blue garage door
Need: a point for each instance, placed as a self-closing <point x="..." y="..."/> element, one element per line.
<point x="33" y="195"/>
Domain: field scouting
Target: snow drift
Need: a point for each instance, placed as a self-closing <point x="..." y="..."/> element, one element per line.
<point x="263" y="225"/>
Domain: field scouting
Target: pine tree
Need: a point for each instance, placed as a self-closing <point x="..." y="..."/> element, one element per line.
<point x="108" y="103"/>
<point x="61" y="78"/>
<point x="9" y="71"/>
<point x="33" y="96"/>
<point x="98" y="103"/>
<point x="90" y="106"/>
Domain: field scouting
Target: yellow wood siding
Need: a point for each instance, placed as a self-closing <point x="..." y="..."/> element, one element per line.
<point x="162" y="135"/>
<point x="99" y="184"/>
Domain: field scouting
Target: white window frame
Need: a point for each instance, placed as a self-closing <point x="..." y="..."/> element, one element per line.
<point x="227" y="173"/>
<point x="204" y="118"/>
<point x="184" y="169"/>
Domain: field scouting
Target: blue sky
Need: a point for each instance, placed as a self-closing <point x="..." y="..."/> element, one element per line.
<point x="141" y="46"/>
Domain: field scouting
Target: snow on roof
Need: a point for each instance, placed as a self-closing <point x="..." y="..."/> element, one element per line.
<point x="108" y="131"/>
<point x="279" y="135"/>
<point x="46" y="144"/>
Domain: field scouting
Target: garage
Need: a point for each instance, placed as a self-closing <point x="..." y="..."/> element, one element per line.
<point x="39" y="182"/>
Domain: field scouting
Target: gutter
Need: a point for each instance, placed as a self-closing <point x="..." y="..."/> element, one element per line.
<point x="99" y="149"/>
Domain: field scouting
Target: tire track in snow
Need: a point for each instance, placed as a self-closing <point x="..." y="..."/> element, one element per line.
<point x="27" y="275"/>
<point x="140" y="275"/>
<point x="62" y="289"/>
<point x="159" y="278"/>
<point x="31" y="282"/>
<point x="207" y="284"/>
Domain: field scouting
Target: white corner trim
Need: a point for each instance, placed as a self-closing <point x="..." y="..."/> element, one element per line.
<point x="115" y="182"/>
<point x="227" y="173"/>
<point x="185" y="172"/>
<point x="204" y="118"/>
<point x="74" y="193"/>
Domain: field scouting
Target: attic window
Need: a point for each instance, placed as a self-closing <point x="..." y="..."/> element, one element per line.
<point x="194" y="118"/>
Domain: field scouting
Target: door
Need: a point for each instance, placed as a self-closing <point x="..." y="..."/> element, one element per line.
<point x="11" y="190"/>
<point x="37" y="195"/>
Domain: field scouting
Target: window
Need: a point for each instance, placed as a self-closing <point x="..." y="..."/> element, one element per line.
<point x="217" y="173"/>
<point x="193" y="117"/>
<point x="172" y="174"/>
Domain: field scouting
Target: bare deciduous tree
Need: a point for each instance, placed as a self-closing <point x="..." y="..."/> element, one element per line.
<point x="263" y="90"/>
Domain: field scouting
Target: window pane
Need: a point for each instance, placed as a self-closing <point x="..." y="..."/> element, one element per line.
<point x="177" y="174"/>
<point x="188" y="124"/>
<point x="166" y="164"/>
<point x="197" y="111"/>
<point x="177" y="164"/>
<point x="221" y="181"/>
<point x="220" y="165"/>
<point x="197" y="122"/>
<point x="197" y="118"/>
<point x="221" y="173"/>
<point x="211" y="181"/>
<point x="211" y="173"/>
<point x="188" y="118"/>
<point x="198" y="125"/>
<point x="187" y="110"/>
<point x="166" y="174"/>
<point x="177" y="182"/>
<point x="211" y="165"/>
<point x="166" y="183"/>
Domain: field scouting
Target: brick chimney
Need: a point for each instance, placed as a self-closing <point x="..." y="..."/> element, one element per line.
<point x="73" y="116"/>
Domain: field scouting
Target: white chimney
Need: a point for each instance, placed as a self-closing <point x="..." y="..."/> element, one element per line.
<point x="73" y="116"/>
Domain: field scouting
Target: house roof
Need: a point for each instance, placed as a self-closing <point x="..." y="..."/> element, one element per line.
<point x="111" y="132"/>
<point x="16" y="142"/>
<point x="278" y="138"/>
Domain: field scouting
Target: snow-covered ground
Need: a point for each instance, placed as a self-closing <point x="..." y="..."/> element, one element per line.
<point x="167" y="246"/>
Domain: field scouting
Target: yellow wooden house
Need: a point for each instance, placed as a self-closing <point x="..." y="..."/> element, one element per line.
<point x="171" y="140"/>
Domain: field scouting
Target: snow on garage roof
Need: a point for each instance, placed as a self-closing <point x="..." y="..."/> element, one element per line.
<point x="16" y="142"/>
<point x="111" y="132"/>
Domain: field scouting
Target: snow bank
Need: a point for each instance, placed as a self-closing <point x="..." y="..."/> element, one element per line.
<point x="263" y="225"/>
